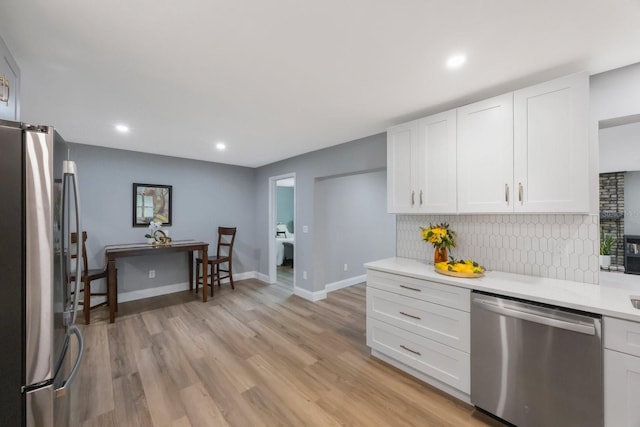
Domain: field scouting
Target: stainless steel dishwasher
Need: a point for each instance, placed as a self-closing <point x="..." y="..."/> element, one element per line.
<point x="534" y="364"/>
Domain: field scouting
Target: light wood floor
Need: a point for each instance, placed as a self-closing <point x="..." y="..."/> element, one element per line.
<point x="256" y="356"/>
<point x="285" y="275"/>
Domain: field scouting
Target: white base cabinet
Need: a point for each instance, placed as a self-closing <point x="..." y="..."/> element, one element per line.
<point x="621" y="373"/>
<point x="421" y="327"/>
<point x="621" y="389"/>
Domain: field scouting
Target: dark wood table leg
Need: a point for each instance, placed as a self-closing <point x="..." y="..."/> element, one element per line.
<point x="111" y="289"/>
<point x="205" y="272"/>
<point x="190" y="270"/>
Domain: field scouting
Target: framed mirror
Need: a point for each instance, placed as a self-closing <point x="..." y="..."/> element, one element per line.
<point x="151" y="202"/>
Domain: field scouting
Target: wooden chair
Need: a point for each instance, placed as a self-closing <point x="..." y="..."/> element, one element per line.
<point x="224" y="255"/>
<point x="88" y="276"/>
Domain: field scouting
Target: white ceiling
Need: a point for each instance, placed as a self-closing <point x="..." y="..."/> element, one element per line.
<point x="274" y="79"/>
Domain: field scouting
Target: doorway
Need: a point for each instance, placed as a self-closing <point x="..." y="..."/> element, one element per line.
<point x="282" y="230"/>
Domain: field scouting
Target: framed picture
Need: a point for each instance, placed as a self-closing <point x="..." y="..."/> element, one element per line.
<point x="151" y="202"/>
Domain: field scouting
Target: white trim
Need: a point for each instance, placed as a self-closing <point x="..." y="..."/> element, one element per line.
<point x="262" y="277"/>
<point x="177" y="287"/>
<point x="308" y="295"/>
<point x="152" y="292"/>
<point x="330" y="287"/>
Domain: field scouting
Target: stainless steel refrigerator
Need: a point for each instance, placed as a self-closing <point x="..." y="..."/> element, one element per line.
<point x="40" y="345"/>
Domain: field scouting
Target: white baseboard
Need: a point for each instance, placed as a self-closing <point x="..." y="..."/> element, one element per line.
<point x="330" y="287"/>
<point x="262" y="277"/>
<point x="308" y="295"/>
<point x="152" y="292"/>
<point x="169" y="289"/>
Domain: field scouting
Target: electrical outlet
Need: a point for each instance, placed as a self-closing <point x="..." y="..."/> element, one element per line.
<point x="346" y="267"/>
<point x="305" y="228"/>
<point x="304" y="275"/>
<point x="152" y="274"/>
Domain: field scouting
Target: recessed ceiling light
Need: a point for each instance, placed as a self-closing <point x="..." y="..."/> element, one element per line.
<point x="456" y="61"/>
<point x="122" y="128"/>
<point x="221" y="146"/>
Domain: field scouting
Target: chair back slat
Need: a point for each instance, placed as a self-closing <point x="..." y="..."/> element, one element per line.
<point x="226" y="239"/>
<point x="74" y="240"/>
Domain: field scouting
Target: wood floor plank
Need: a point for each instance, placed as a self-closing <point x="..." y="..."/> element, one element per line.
<point x="253" y="356"/>
<point x="131" y="409"/>
<point x="201" y="408"/>
<point x="300" y="400"/>
<point x="163" y="406"/>
<point x="94" y="377"/>
<point x="235" y="409"/>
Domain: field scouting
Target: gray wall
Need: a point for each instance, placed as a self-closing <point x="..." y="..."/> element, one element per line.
<point x="362" y="155"/>
<point x="632" y="203"/>
<point x="353" y="225"/>
<point x="205" y="196"/>
<point x="284" y="215"/>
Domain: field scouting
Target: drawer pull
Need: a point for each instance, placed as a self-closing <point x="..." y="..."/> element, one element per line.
<point x="412" y="351"/>
<point x="410" y="288"/>
<point x="409" y="315"/>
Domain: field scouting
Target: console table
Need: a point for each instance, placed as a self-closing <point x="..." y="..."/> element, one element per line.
<point x="113" y="252"/>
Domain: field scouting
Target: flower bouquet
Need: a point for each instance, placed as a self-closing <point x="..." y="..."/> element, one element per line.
<point x="441" y="237"/>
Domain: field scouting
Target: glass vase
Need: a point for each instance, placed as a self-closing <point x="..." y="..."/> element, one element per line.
<point x="440" y="255"/>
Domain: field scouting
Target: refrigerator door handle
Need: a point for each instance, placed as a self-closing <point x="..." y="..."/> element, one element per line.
<point x="70" y="170"/>
<point x="62" y="390"/>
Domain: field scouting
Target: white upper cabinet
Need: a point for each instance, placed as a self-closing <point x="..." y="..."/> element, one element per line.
<point x="524" y="151"/>
<point x="9" y="85"/>
<point x="401" y="142"/>
<point x="551" y="146"/>
<point x="421" y="165"/>
<point x="437" y="163"/>
<point x="485" y="156"/>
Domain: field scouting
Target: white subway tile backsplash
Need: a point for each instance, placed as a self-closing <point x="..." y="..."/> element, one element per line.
<point x="556" y="246"/>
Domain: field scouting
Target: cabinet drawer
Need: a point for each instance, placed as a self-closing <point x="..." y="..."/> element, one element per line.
<point x="437" y="360"/>
<point x="433" y="292"/>
<point x="442" y="324"/>
<point x="622" y="335"/>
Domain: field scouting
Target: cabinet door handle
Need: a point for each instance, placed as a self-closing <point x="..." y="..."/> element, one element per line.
<point x="410" y="315"/>
<point x="4" y="82"/>
<point x="506" y="193"/>
<point x="413" y="198"/>
<point x="410" y="288"/>
<point x="520" y="193"/>
<point x="420" y="197"/>
<point x="412" y="351"/>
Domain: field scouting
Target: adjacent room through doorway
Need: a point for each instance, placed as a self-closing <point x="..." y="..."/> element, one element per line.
<point x="284" y="242"/>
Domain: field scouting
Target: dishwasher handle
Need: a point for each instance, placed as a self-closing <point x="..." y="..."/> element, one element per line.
<point x="536" y="318"/>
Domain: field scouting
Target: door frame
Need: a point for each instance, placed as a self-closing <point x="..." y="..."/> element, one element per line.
<point x="273" y="271"/>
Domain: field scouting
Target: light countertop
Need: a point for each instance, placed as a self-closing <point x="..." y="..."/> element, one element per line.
<point x="610" y="298"/>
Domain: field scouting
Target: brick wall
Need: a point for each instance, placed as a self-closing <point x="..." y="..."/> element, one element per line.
<point x="612" y="204"/>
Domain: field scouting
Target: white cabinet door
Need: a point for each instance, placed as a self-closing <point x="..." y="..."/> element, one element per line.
<point x="485" y="156"/>
<point x="621" y="389"/>
<point x="10" y="85"/>
<point x="401" y="141"/>
<point x="436" y="173"/>
<point x="551" y="146"/>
